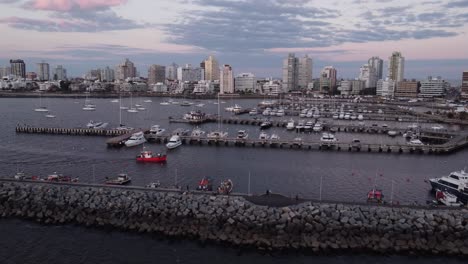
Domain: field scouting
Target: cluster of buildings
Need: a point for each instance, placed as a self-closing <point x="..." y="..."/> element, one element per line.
<point x="211" y="77"/>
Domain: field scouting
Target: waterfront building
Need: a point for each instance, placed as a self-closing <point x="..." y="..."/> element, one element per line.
<point x="328" y="79"/>
<point x="211" y="69"/>
<point x="346" y="87"/>
<point x="396" y="67"/>
<point x="156" y="74"/>
<point x="30" y="76"/>
<point x="60" y="73"/>
<point x="386" y="88"/>
<point x="272" y="88"/>
<point x="226" y="82"/>
<point x="132" y="87"/>
<point x="94" y="74"/>
<point x="433" y="87"/>
<point x="189" y="74"/>
<point x="377" y="64"/>
<point x="358" y="86"/>
<point x="203" y="87"/>
<point x="464" y="87"/>
<point x="158" y="87"/>
<point x="368" y="75"/>
<point x="407" y="88"/>
<point x="107" y="74"/>
<point x="43" y="71"/>
<point x="171" y="71"/>
<point x="18" y="68"/>
<point x="245" y="82"/>
<point x="125" y="70"/>
<point x="5" y="71"/>
<point x="290" y="73"/>
<point x="304" y="72"/>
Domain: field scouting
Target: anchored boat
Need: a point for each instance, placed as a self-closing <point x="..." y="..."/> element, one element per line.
<point x="226" y="187"/>
<point x="148" y="156"/>
<point x="121" y="179"/>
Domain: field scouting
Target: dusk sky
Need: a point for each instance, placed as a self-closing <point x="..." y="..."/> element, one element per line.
<point x="252" y="36"/>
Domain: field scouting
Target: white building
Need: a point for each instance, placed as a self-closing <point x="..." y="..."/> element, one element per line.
<point x="346" y="87"/>
<point x="386" y="88"/>
<point x="377" y="64"/>
<point x="171" y="71"/>
<point x="358" y="86"/>
<point x="226" y="81"/>
<point x="60" y="73"/>
<point x="290" y="73"/>
<point x="189" y="74"/>
<point x="396" y="67"/>
<point x="203" y="87"/>
<point x="304" y="72"/>
<point x="433" y="87"/>
<point x="158" y="88"/>
<point x="368" y="75"/>
<point x="245" y="82"/>
<point x="125" y="70"/>
<point x="107" y="74"/>
<point x="5" y="71"/>
<point x="43" y="71"/>
<point x="328" y="79"/>
<point x="272" y="88"/>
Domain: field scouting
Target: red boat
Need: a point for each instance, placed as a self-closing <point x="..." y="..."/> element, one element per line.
<point x="55" y="177"/>
<point x="375" y="196"/>
<point x="148" y="156"/>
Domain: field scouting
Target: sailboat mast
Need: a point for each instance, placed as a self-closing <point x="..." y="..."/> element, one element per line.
<point x="120" y="109"/>
<point x="219" y="116"/>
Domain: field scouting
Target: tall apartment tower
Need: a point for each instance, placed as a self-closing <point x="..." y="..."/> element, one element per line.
<point x="43" y="71"/>
<point x="377" y="64"/>
<point x="368" y="75"/>
<point x="396" y="67"/>
<point x="107" y="74"/>
<point x="328" y="79"/>
<point x="226" y="81"/>
<point x="60" y="73"/>
<point x="465" y="85"/>
<point x="125" y="70"/>
<point x="290" y="73"/>
<point x="171" y="71"/>
<point x="211" y="69"/>
<point x="305" y="72"/>
<point x="156" y="74"/>
<point x="18" y="68"/>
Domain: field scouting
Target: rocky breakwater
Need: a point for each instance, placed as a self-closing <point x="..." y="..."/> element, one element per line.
<point x="233" y="220"/>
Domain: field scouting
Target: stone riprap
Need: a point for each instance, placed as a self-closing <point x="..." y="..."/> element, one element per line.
<point x="308" y="226"/>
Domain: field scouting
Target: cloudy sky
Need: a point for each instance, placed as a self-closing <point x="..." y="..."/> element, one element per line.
<point x="253" y="36"/>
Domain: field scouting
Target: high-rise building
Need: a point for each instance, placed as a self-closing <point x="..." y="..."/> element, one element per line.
<point x="125" y="70"/>
<point x="386" y="88"/>
<point x="43" y="71"/>
<point x="5" y="71"/>
<point x="368" y="74"/>
<point x="60" y="73"/>
<point x="18" y="68"/>
<point x="31" y="76"/>
<point x="434" y="87"/>
<point x="290" y="73"/>
<point x="156" y="74"/>
<point x="189" y="74"/>
<point x="328" y="80"/>
<point x="211" y="69"/>
<point x="107" y="74"/>
<point x="171" y="71"/>
<point x="245" y="82"/>
<point x="377" y="64"/>
<point x="464" y="88"/>
<point x="396" y="67"/>
<point x="226" y="82"/>
<point x="407" y="88"/>
<point x="305" y="72"/>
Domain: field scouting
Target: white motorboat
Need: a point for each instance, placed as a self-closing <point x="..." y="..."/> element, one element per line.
<point x="280" y="112"/>
<point x="236" y="108"/>
<point x="308" y="126"/>
<point x="165" y="103"/>
<point x="89" y="107"/>
<point x="447" y="199"/>
<point x="415" y="142"/>
<point x="41" y="109"/>
<point x="316" y="114"/>
<point x="148" y="101"/>
<point x="174" y="142"/>
<point x="96" y="125"/>
<point x="341" y="116"/>
<point x="200" y="105"/>
<point x="132" y="110"/>
<point x="328" y="138"/>
<point x="50" y="115"/>
<point x="290" y="125"/>
<point x="242" y="134"/>
<point x="197" y="132"/>
<point x="392" y="133"/>
<point x="263" y="136"/>
<point x="353" y="117"/>
<point x="114" y="101"/>
<point x="347" y="116"/>
<point x="253" y="112"/>
<point x="136" y="139"/>
<point x="124" y="108"/>
<point x="122" y="127"/>
<point x="266" y="112"/>
<point x="273" y="112"/>
<point x="336" y="116"/>
<point x="300" y="125"/>
<point x="317" y="127"/>
<point x="156" y="131"/>
<point x="217" y="135"/>
<point x="274" y="137"/>
<point x="455" y="183"/>
<point x="360" y="117"/>
<point x="309" y="114"/>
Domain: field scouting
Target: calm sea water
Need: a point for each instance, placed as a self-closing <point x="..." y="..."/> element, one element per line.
<point x="345" y="176"/>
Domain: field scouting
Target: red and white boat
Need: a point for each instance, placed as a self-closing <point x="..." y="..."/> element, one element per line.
<point x="375" y="196"/>
<point x="55" y="177"/>
<point x="148" y="156"/>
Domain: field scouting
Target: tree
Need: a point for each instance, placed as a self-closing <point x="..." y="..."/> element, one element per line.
<point x="463" y="115"/>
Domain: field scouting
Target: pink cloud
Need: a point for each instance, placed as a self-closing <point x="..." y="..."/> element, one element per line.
<point x="67" y="5"/>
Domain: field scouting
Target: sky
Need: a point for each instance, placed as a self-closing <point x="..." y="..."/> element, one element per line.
<point x="252" y="36"/>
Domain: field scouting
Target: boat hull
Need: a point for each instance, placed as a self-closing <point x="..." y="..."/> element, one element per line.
<point x="173" y="145"/>
<point x="152" y="159"/>
<point x="438" y="186"/>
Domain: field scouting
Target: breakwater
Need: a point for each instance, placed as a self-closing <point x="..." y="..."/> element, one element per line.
<point x="317" y="227"/>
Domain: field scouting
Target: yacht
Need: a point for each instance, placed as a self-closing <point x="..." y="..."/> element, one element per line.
<point x="335" y="116"/>
<point x="236" y="109"/>
<point x="132" y="110"/>
<point x="300" y="126"/>
<point x="309" y="114"/>
<point x="89" y="107"/>
<point x="455" y="183"/>
<point x="174" y="142"/>
<point x="328" y="138"/>
<point x="263" y="136"/>
<point x="123" y="127"/>
<point x="156" y="131"/>
<point x="280" y="112"/>
<point x="415" y="142"/>
<point x="360" y="117"/>
<point x="114" y="101"/>
<point x="308" y="126"/>
<point x="253" y="112"/>
<point x="266" y="112"/>
<point x="266" y="124"/>
<point x="96" y="125"/>
<point x="41" y="109"/>
<point x="197" y="132"/>
<point x="121" y="179"/>
<point x="341" y="116"/>
<point x="50" y="115"/>
<point x="290" y="125"/>
<point x="392" y="133"/>
<point x="318" y="127"/>
<point x="185" y="103"/>
<point x="273" y="112"/>
<point x="347" y="116"/>
<point x="316" y="114"/>
<point x="136" y="139"/>
<point x="165" y="103"/>
<point x="242" y="134"/>
<point x="148" y="101"/>
<point x="274" y="137"/>
<point x="353" y="117"/>
<point x="216" y="135"/>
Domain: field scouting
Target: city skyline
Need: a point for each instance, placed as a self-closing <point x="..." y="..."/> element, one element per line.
<point x="82" y="35"/>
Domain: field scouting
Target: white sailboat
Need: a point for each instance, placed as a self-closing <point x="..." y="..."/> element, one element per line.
<point x="122" y="126"/>
<point x="41" y="108"/>
<point x="217" y="134"/>
<point x="88" y="106"/>
<point x="132" y="109"/>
